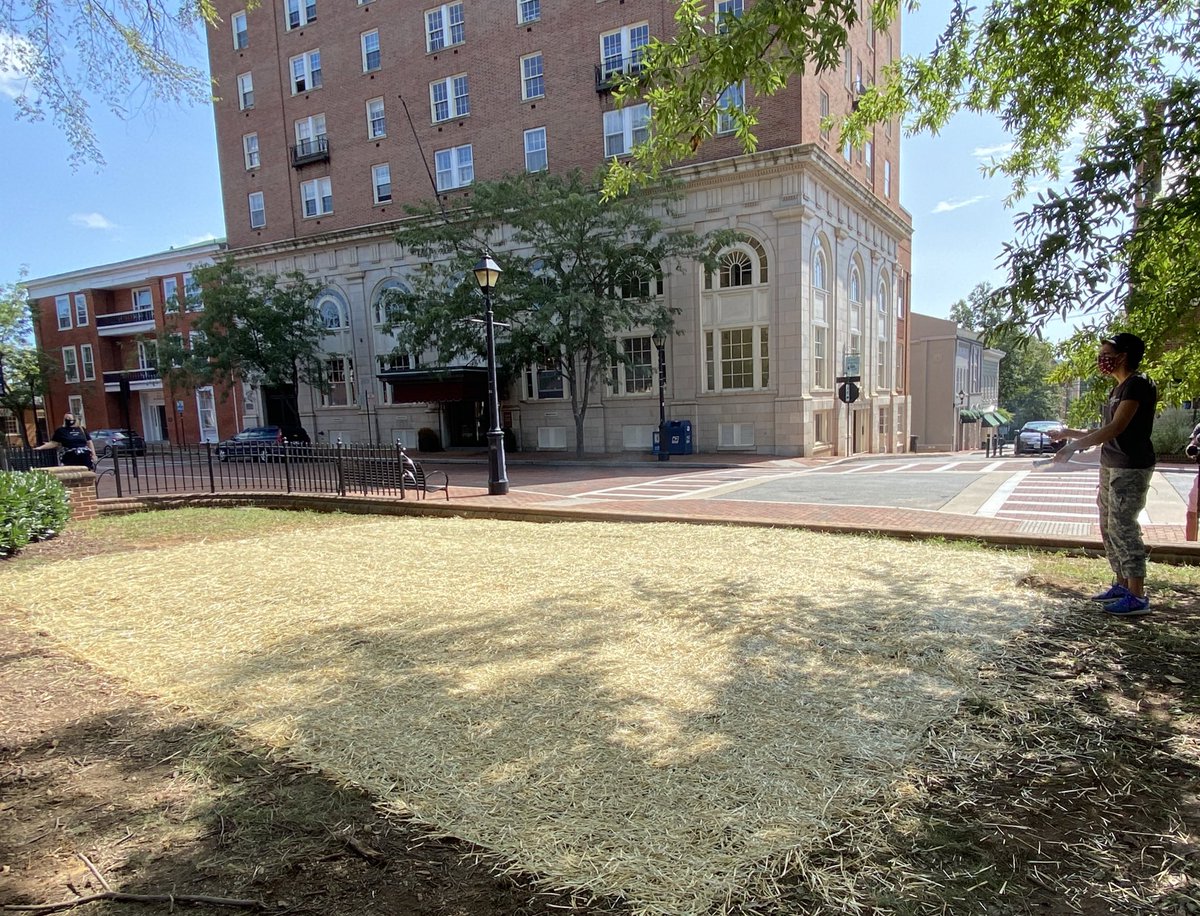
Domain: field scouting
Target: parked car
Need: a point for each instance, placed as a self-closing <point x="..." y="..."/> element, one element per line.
<point x="126" y="440"/>
<point x="1034" y="439"/>
<point x="258" y="443"/>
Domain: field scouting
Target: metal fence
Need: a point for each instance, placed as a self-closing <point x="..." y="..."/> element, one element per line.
<point x="340" y="470"/>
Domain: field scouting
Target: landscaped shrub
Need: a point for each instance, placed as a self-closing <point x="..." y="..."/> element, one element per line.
<point x="428" y="440"/>
<point x="1172" y="430"/>
<point x="33" y="506"/>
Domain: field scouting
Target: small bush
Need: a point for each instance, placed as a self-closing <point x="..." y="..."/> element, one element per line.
<point x="1172" y="430"/>
<point x="428" y="440"/>
<point x="33" y="506"/>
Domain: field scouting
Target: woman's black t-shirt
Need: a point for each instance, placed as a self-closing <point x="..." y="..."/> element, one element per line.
<point x="71" y="437"/>
<point x="1132" y="448"/>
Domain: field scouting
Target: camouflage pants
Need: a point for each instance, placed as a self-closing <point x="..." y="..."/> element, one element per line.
<point x="1122" y="496"/>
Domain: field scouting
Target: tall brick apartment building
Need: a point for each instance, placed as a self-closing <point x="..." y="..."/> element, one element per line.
<point x="332" y="114"/>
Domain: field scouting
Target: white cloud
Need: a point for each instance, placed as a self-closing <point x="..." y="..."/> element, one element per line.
<point x="946" y="206"/>
<point x="91" y="221"/>
<point x="991" y="152"/>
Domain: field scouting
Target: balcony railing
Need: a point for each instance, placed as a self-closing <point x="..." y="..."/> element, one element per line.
<point x="308" y="151"/>
<point x="118" y="319"/>
<point x="139" y="379"/>
<point x="612" y="70"/>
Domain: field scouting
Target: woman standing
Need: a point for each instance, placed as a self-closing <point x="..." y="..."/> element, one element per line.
<point x="76" y="443"/>
<point x="1126" y="467"/>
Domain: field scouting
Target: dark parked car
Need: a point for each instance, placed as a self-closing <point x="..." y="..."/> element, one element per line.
<point x="261" y="443"/>
<point x="1034" y="438"/>
<point x="126" y="440"/>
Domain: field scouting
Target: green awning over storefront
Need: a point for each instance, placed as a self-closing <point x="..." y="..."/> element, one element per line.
<point x="970" y="415"/>
<point x="992" y="419"/>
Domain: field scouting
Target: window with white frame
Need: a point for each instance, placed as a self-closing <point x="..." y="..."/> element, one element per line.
<point x="62" y="305"/>
<point x="899" y="365"/>
<point x="625" y="128"/>
<point x="848" y="67"/>
<point x="381" y="183"/>
<point x="376" y="122"/>
<point x="333" y="315"/>
<point x="883" y="294"/>
<point x="743" y="265"/>
<point x="887" y="178"/>
<point x="529" y="10"/>
<point x="300" y="12"/>
<point x="639" y="288"/>
<point x="339" y="373"/>
<point x="258" y="209"/>
<point x="385" y="313"/>
<point x="306" y="71"/>
<point x="855" y="289"/>
<point x="544" y="380"/>
<point x="147" y="351"/>
<point x="449" y="98"/>
<point x="445" y="26"/>
<point x="81" y="310"/>
<point x="728" y="9"/>
<point x="191" y="293"/>
<point x="634" y="372"/>
<point x="371" y="56"/>
<point x="75" y="405"/>
<point x="736" y="359"/>
<point x="250" y="151"/>
<point x="196" y="340"/>
<point x="88" y="359"/>
<point x="170" y="291"/>
<point x="869" y="158"/>
<point x="732" y="101"/>
<point x="824" y="115"/>
<point x="310" y="135"/>
<point x="533" y="82"/>
<point x="245" y="84"/>
<point x="621" y="50"/>
<point x="819" y="282"/>
<point x="143" y="304"/>
<point x="535" y="150"/>
<point x="847" y="151"/>
<point x="176" y="349"/>
<point x="316" y="197"/>
<point x="70" y="365"/>
<point x="8" y="424"/>
<point x="455" y="167"/>
<point x="241" y="37"/>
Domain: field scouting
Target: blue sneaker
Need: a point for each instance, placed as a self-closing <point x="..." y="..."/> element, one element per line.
<point x="1128" y="605"/>
<point x="1113" y="592"/>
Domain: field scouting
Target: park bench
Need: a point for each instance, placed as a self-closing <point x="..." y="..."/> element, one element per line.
<point x="421" y="481"/>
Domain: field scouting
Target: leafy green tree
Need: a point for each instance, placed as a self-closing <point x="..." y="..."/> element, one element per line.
<point x="1026" y="388"/>
<point x="261" y="328"/>
<point x="23" y="369"/>
<point x="578" y="272"/>
<point x="119" y="52"/>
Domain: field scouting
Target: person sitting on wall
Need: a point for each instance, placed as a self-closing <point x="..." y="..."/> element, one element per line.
<point x="76" y="443"/>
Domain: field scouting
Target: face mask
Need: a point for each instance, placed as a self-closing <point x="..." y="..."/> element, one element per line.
<point x="68" y="423"/>
<point x="1106" y="363"/>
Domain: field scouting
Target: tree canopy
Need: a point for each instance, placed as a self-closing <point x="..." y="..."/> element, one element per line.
<point x="122" y="53"/>
<point x="579" y="272"/>
<point x="244" y="325"/>
<point x="24" y="369"/>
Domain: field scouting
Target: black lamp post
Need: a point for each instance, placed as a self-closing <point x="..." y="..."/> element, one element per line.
<point x="660" y="343"/>
<point x="487" y="274"/>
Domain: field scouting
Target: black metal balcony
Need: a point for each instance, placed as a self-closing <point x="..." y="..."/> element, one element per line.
<point x="307" y="152"/>
<point x="608" y="73"/>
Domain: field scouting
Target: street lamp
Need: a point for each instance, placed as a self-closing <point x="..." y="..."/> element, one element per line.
<point x="660" y="342"/>
<point x="487" y="275"/>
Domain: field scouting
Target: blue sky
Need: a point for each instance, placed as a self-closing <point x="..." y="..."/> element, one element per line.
<point x="161" y="188"/>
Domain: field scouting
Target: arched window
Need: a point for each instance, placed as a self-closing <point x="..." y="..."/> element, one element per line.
<point x="332" y="312"/>
<point x="883" y="334"/>
<point x="736" y="270"/>
<point x="819" y="283"/>
<point x="856" y="308"/>
<point x="381" y="310"/>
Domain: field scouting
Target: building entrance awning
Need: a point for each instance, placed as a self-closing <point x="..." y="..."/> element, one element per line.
<point x="969" y="415"/>
<point x="434" y="386"/>
<point x="992" y="419"/>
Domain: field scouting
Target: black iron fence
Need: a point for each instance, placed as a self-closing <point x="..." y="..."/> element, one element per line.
<point x="340" y="470"/>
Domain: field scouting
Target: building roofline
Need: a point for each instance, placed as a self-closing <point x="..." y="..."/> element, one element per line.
<point x="127" y="272"/>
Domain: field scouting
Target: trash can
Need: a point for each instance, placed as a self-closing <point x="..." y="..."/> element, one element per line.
<point x="912" y="443"/>
<point x="679" y="437"/>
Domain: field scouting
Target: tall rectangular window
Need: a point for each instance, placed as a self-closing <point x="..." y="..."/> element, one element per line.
<point x="306" y="72"/>
<point x="887" y="178"/>
<point x="381" y="181"/>
<point x="728" y="9"/>
<point x="533" y="83"/>
<point x="455" y="167"/>
<point x="621" y="50"/>
<point x="258" y="210"/>
<point x="75" y="405"/>
<point x="376" y="123"/>
<point x="635" y="373"/>
<point x="170" y="291"/>
<point x="824" y="114"/>
<point x="445" y="26"/>
<point x="869" y="158"/>
<point x="62" y="305"/>
<point x="245" y="82"/>
<point x="143" y="304"/>
<point x="316" y="196"/>
<point x="624" y="128"/>
<point x="310" y="135"/>
<point x="339" y="391"/>
<point x="529" y="10"/>
<point x="370" y="51"/>
<point x="449" y="98"/>
<point x="241" y="37"/>
<point x="191" y="293"/>
<point x="89" y="362"/>
<point x="737" y="359"/>
<point x="300" y="12"/>
<point x="732" y="100"/>
<point x="70" y="365"/>
<point x="535" y="150"/>
<point x="81" y="310"/>
<point x="250" y="150"/>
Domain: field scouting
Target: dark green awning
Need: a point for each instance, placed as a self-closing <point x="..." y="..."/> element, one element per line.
<point x="969" y="415"/>
<point x="991" y="419"/>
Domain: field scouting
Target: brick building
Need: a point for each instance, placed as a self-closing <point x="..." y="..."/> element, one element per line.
<point x="99" y="326"/>
<point x="332" y="115"/>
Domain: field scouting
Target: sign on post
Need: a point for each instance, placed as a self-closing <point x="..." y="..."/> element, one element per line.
<point x="847" y="392"/>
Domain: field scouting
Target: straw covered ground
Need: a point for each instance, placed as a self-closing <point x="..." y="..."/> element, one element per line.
<point x="678" y="716"/>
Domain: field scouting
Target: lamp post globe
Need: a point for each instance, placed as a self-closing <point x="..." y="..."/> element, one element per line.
<point x="487" y="275"/>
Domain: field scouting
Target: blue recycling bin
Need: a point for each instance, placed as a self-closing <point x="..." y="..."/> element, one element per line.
<point x="679" y="437"/>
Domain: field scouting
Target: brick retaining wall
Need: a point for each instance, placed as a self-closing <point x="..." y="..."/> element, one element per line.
<point x="81" y="489"/>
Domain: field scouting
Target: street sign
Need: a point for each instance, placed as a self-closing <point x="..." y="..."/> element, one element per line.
<point x="179" y="406"/>
<point x="847" y="392"/>
<point x="851" y="364"/>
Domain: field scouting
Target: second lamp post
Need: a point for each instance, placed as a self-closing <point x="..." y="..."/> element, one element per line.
<point x="487" y="274"/>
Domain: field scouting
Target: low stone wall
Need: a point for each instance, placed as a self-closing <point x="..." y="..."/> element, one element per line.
<point x="81" y="489"/>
